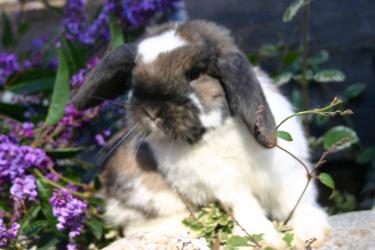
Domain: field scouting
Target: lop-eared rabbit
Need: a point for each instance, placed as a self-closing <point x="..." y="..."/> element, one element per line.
<point x="200" y="122"/>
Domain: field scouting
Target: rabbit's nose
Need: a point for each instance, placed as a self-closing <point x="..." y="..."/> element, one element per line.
<point x="152" y="112"/>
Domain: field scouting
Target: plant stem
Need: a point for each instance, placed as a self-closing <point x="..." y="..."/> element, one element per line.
<point x="296" y="158"/>
<point x="229" y="213"/>
<point x="305" y="51"/>
<point x="57" y="185"/>
<point x="298" y="201"/>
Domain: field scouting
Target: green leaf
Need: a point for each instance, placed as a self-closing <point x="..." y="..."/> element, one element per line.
<point x="329" y="76"/>
<point x="14" y="111"/>
<point x="44" y="195"/>
<point x="33" y="86"/>
<point x="34" y="228"/>
<point x="268" y="50"/>
<point x="48" y="242"/>
<point x="366" y="156"/>
<point x="96" y="227"/>
<point x="290" y="57"/>
<point x="7" y="34"/>
<point x="288" y="239"/>
<point x="60" y="93"/>
<point x="23" y="28"/>
<point x="238" y="241"/>
<point x="319" y="58"/>
<point x="254" y="60"/>
<point x="292" y="10"/>
<point x="282" y="78"/>
<point x="355" y="90"/>
<point x="339" y="137"/>
<point x="63" y="153"/>
<point x="29" y="217"/>
<point x="117" y="37"/>
<point x="284" y="135"/>
<point x="297" y="99"/>
<point x="327" y="180"/>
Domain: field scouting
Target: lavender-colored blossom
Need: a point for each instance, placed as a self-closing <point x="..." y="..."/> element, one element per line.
<point x="101" y="138"/>
<point x="8" y="234"/>
<point x="16" y="159"/>
<point x="8" y="66"/>
<point x="78" y="78"/>
<point x="139" y="13"/>
<point x="71" y="246"/>
<point x="69" y="211"/>
<point x="24" y="188"/>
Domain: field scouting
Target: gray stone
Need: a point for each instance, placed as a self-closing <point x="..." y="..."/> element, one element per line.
<point x="352" y="231"/>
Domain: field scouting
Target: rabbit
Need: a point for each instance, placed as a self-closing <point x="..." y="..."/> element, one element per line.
<point x="200" y="127"/>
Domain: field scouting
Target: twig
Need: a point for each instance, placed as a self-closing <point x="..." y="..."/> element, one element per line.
<point x="230" y="214"/>
<point x="57" y="185"/>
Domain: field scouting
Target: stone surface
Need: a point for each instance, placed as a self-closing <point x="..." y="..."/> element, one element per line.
<point x="152" y="241"/>
<point x="352" y="231"/>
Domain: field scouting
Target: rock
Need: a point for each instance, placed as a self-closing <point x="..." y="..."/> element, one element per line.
<point x="153" y="241"/>
<point x="350" y="231"/>
<point x="355" y="230"/>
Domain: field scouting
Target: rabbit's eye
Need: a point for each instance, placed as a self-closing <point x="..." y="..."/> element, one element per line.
<point x="193" y="74"/>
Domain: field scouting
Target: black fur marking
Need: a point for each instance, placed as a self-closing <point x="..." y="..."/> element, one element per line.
<point x="245" y="96"/>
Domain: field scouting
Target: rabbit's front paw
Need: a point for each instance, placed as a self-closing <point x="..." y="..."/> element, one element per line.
<point x="310" y="229"/>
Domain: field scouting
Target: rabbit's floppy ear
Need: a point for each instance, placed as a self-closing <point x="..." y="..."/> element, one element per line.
<point x="109" y="79"/>
<point x="245" y="96"/>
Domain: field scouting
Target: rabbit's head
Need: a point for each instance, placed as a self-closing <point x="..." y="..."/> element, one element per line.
<point x="182" y="80"/>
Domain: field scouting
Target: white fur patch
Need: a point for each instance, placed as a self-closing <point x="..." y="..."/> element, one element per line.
<point x="210" y="119"/>
<point x="150" y="48"/>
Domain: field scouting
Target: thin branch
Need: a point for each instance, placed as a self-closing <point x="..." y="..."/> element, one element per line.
<point x="296" y="158"/>
<point x="230" y="214"/>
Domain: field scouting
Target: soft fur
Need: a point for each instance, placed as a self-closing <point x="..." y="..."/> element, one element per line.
<point x="200" y="122"/>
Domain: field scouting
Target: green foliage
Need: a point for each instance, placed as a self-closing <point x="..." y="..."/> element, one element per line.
<point x="64" y="153"/>
<point x="117" y="37"/>
<point x="60" y="93"/>
<point x="293" y="9"/>
<point x="329" y="76"/>
<point x="355" y="90"/>
<point x="327" y="180"/>
<point x="7" y="35"/>
<point x="284" y="135"/>
<point x="13" y="111"/>
<point x="342" y="203"/>
<point x="339" y="137"/>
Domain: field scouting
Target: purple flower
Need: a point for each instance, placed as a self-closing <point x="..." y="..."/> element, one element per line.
<point x="69" y="211"/>
<point x="8" y="234"/>
<point x="15" y="159"/>
<point x="71" y="246"/>
<point x="78" y="79"/>
<point x="8" y="66"/>
<point x="101" y="138"/>
<point x="139" y="13"/>
<point x="24" y="188"/>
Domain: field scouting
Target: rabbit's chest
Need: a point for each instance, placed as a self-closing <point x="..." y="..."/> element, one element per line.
<point x="222" y="162"/>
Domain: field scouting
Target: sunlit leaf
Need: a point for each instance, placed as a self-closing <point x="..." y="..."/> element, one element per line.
<point x="282" y="78"/>
<point x="329" y="76"/>
<point x="288" y="239"/>
<point x="60" y="93"/>
<point x="292" y="10"/>
<point x="284" y="135"/>
<point x="339" y="137"/>
<point x="327" y="180"/>
<point x="319" y="58"/>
